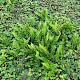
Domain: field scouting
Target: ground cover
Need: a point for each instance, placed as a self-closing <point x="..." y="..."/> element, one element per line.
<point x="40" y="40"/>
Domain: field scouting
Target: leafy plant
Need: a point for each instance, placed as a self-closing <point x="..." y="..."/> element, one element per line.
<point x="43" y="48"/>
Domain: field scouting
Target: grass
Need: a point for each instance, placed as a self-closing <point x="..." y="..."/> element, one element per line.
<point x="39" y="40"/>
